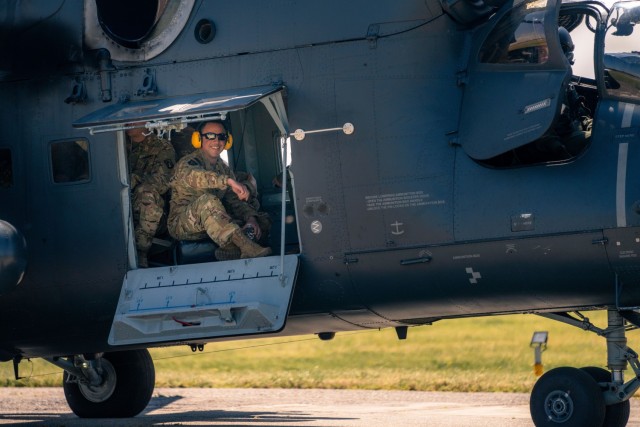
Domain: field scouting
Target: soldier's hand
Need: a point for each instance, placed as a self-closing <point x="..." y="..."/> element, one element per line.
<point x="240" y="190"/>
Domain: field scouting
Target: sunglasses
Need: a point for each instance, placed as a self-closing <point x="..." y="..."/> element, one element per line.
<point x="212" y="136"/>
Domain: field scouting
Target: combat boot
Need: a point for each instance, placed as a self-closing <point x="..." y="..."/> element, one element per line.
<point x="248" y="248"/>
<point x="228" y="252"/>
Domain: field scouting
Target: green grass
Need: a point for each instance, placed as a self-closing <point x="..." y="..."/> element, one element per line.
<point x="482" y="354"/>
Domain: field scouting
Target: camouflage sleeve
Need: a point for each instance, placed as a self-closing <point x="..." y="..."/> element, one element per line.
<point x="238" y="208"/>
<point x="163" y="168"/>
<point x="249" y="181"/>
<point x="193" y="175"/>
<point x="134" y="180"/>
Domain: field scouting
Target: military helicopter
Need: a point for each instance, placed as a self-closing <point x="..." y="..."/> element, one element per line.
<point x="415" y="182"/>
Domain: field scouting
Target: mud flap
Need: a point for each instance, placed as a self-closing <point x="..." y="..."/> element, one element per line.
<point x="202" y="301"/>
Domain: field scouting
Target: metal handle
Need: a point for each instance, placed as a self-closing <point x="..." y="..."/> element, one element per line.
<point x="299" y="134"/>
<point x="412" y="261"/>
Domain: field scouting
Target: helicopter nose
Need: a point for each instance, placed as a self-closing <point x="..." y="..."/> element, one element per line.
<point x="13" y="257"/>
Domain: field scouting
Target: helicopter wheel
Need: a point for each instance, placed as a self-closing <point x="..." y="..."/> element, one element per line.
<point x="128" y="382"/>
<point x="567" y="397"/>
<point x="616" y="415"/>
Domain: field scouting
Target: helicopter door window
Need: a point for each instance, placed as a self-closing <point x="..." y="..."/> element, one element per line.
<point x="518" y="38"/>
<point x="70" y="161"/>
<point x="515" y="82"/>
<point x="6" y="168"/>
<point x="621" y="57"/>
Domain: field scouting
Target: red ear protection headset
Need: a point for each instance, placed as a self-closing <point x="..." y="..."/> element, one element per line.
<point x="196" y="138"/>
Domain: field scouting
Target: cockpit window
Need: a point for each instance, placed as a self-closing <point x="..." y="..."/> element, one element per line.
<point x="621" y="56"/>
<point x="6" y="168"/>
<point x="519" y="37"/>
<point x="70" y="161"/>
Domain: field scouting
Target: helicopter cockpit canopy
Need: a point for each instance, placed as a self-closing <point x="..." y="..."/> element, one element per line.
<point x="468" y="12"/>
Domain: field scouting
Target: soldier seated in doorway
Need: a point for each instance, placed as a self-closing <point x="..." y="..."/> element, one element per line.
<point x="208" y="200"/>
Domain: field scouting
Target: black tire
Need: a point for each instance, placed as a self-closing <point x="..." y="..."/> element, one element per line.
<point x="567" y="397"/>
<point x="616" y="415"/>
<point x="128" y="385"/>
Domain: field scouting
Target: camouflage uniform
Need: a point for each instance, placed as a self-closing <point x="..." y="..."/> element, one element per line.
<point x="151" y="164"/>
<point x="262" y="218"/>
<point x="202" y="204"/>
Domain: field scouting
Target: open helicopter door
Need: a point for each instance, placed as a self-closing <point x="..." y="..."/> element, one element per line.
<point x="197" y="302"/>
<point x="514" y="79"/>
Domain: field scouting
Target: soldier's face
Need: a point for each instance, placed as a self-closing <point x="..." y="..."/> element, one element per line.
<point x="212" y="148"/>
<point x="136" y="134"/>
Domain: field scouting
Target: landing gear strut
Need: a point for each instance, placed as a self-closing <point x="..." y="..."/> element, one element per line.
<point x="591" y="396"/>
<point x="113" y="385"/>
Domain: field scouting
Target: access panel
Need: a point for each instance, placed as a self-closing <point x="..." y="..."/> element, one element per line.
<point x="201" y="301"/>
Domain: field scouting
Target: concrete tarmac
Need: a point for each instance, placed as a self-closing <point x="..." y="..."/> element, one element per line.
<point x="287" y="407"/>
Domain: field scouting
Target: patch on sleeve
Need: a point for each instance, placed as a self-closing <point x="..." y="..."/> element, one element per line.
<point x="169" y="163"/>
<point x="193" y="162"/>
